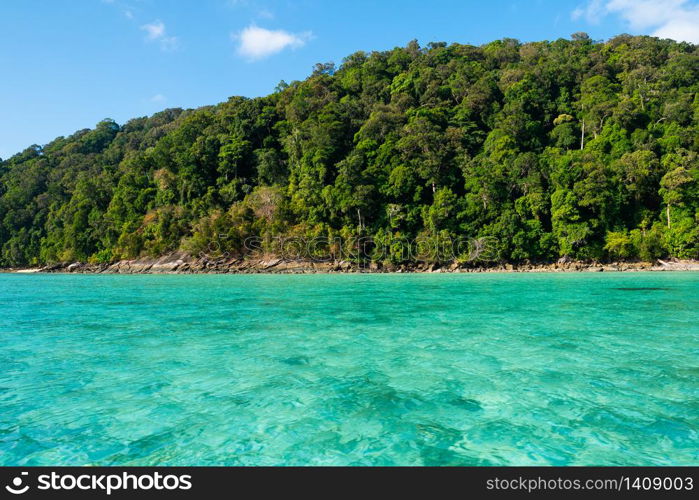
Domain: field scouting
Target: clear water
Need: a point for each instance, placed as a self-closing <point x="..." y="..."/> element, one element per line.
<point x="497" y="369"/>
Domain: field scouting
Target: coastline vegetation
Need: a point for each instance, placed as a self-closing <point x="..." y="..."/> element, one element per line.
<point x="572" y="148"/>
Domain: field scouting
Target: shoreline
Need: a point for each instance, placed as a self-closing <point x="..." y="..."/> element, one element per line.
<point x="181" y="263"/>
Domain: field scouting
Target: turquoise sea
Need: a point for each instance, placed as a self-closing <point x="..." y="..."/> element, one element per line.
<point x="488" y="369"/>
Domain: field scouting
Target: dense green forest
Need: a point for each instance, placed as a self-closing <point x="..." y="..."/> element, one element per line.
<point x="568" y="148"/>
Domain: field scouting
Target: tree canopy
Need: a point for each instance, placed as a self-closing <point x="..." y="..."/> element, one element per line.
<point x="565" y="148"/>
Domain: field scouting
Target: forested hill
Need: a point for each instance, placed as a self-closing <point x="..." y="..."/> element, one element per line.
<point x="566" y="148"/>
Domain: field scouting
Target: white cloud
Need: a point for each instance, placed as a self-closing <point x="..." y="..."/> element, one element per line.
<point x="676" y="19"/>
<point x="592" y="12"/>
<point x="158" y="99"/>
<point x="257" y="43"/>
<point x="125" y="9"/>
<point x="265" y="14"/>
<point x="156" y="32"/>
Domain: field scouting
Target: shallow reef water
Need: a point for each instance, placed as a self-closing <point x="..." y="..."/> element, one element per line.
<point x="491" y="369"/>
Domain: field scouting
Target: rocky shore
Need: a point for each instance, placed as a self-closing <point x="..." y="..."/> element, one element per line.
<point x="182" y="263"/>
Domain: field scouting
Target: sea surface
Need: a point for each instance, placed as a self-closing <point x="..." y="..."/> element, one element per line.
<point x="487" y="369"/>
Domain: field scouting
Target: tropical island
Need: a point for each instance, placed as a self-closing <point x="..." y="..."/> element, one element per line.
<point x="547" y="153"/>
<point x="193" y="286"/>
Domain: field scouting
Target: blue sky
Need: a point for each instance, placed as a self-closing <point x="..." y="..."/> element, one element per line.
<point x="66" y="64"/>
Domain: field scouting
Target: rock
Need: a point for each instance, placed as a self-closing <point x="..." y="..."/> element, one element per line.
<point x="267" y="264"/>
